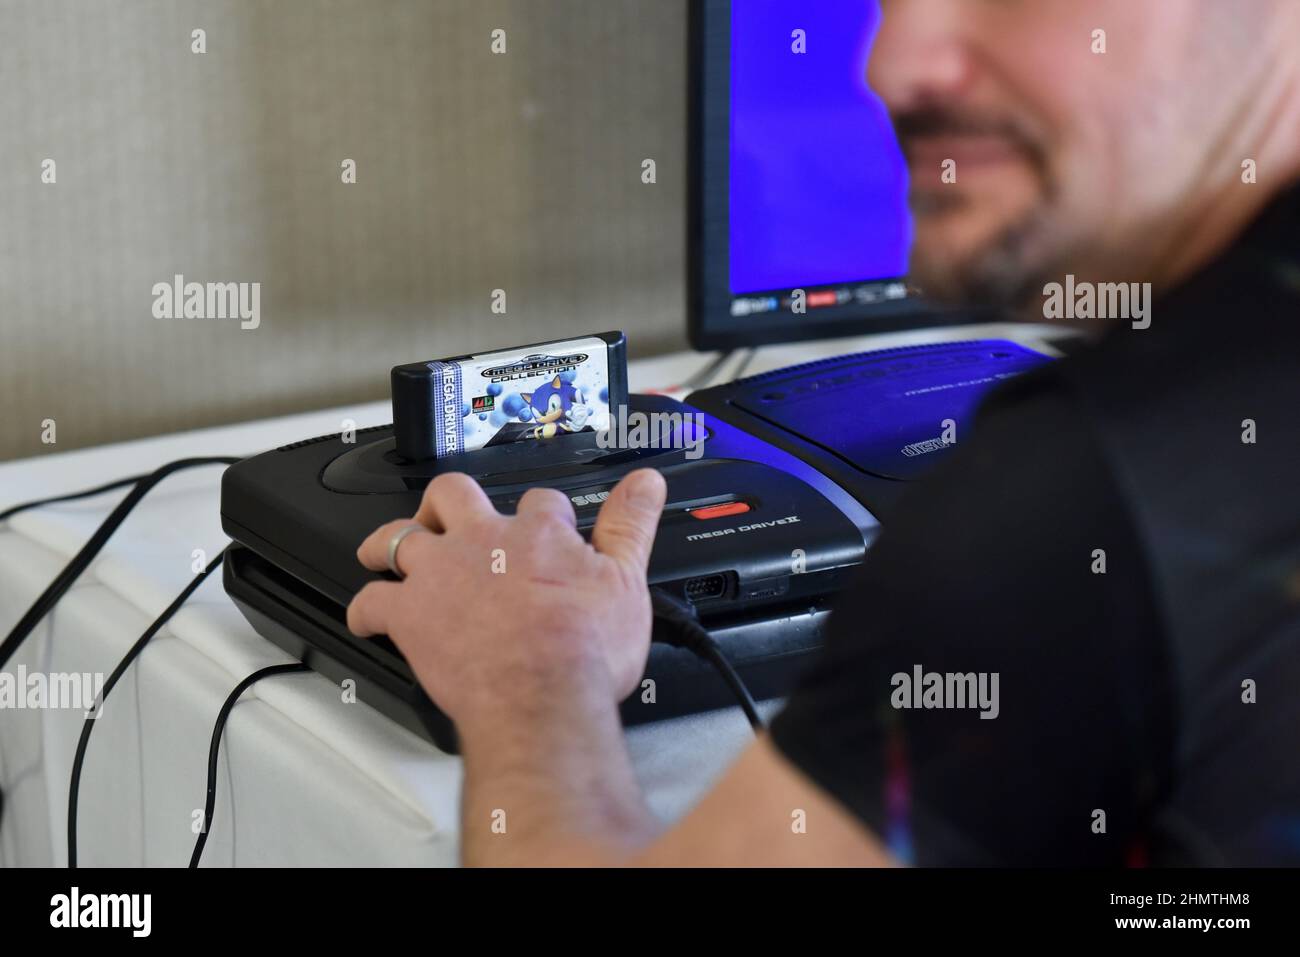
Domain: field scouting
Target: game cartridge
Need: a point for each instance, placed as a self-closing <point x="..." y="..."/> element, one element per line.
<point x="535" y="393"/>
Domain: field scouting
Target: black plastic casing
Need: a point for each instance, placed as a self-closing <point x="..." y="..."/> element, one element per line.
<point x="869" y="420"/>
<point x="298" y="514"/>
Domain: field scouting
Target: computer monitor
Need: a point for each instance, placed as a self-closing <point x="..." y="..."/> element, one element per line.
<point x="798" y="190"/>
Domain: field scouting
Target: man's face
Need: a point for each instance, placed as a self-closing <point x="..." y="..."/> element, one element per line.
<point x="1064" y="159"/>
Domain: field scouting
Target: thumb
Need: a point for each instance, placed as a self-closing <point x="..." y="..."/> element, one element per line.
<point x="625" y="528"/>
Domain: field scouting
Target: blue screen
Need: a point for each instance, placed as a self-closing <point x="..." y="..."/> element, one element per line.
<point x="818" y="187"/>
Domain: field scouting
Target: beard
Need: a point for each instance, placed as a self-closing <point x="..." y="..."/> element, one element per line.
<point x="1008" y="268"/>
<point x="1006" y="273"/>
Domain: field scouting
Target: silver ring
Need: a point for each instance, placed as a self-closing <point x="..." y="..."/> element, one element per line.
<point x="392" y="548"/>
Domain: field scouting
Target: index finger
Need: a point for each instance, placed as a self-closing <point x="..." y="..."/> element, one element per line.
<point x="452" y="496"/>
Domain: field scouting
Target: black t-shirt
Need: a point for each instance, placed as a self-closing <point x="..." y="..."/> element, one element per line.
<point x="1119" y="544"/>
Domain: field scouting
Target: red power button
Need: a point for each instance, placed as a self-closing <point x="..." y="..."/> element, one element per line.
<point x="720" y="511"/>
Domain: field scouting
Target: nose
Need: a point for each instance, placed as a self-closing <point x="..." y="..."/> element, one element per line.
<point x="920" y="53"/>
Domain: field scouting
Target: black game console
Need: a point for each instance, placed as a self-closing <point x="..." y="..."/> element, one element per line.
<point x="752" y="537"/>
<point x="761" y="529"/>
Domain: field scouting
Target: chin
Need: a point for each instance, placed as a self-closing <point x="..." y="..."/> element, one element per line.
<point x="975" y="253"/>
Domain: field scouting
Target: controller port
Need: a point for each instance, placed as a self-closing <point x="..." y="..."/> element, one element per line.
<point x="706" y="587"/>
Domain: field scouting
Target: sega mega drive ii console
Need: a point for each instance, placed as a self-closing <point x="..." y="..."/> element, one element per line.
<point x="756" y="540"/>
<point x="772" y="481"/>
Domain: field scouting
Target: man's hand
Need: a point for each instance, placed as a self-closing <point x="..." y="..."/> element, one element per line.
<point x="528" y="638"/>
<point x="505" y="612"/>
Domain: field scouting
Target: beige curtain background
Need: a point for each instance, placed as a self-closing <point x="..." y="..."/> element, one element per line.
<point x="475" y="172"/>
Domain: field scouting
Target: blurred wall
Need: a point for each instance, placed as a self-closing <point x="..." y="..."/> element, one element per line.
<point x="475" y="172"/>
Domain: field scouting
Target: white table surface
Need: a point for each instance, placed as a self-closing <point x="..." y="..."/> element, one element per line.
<point x="305" y="778"/>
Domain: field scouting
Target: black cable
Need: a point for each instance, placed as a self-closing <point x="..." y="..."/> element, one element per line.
<point x="72" y="571"/>
<point x="702" y="377"/>
<point x="88" y="493"/>
<point x="683" y="630"/>
<point x="214" y="751"/>
<point x="712" y="653"/>
<point x="74" y="787"/>
<point x="743" y="364"/>
<point x="81" y="561"/>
